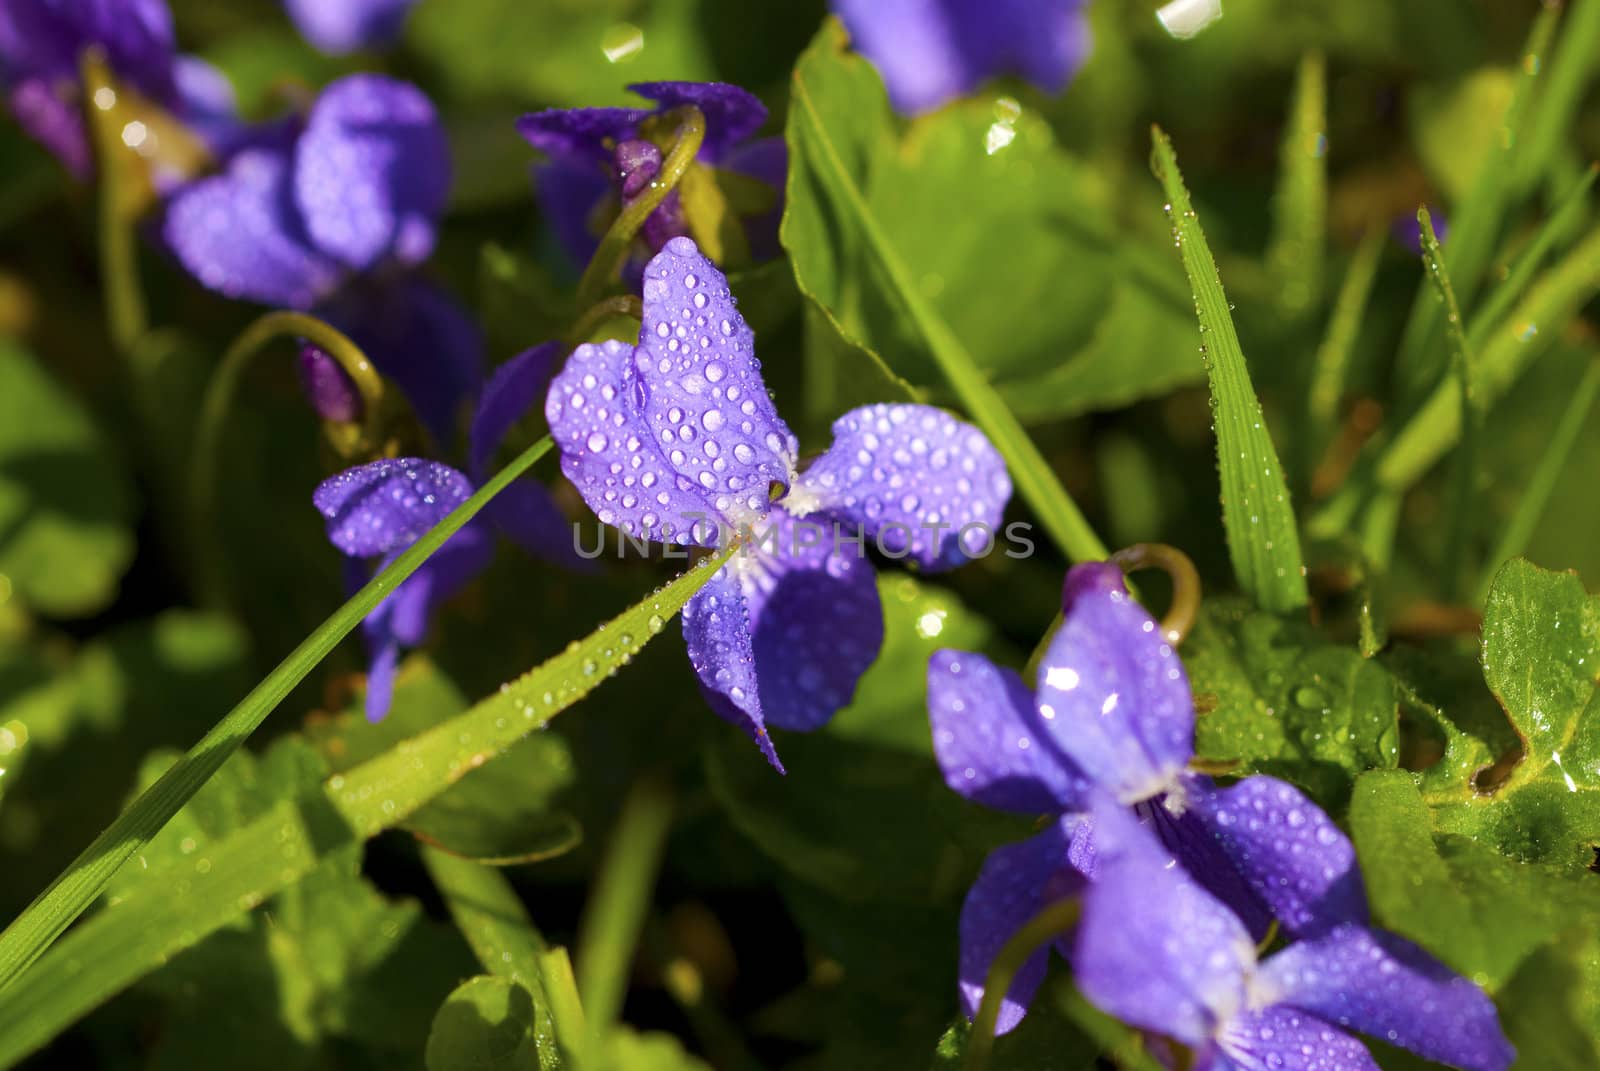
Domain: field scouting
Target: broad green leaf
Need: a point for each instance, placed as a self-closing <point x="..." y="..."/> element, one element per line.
<point x="1447" y="124"/>
<point x="1046" y="320"/>
<point x="1541" y="653"/>
<point x="1278" y="698"/>
<point x="296" y="836"/>
<point x="864" y="812"/>
<point x="28" y="935"/>
<point x="1544" y="1006"/>
<point x="66" y="505"/>
<point x="487" y="1024"/>
<point x="1263" y="541"/>
<point x="627" y="1050"/>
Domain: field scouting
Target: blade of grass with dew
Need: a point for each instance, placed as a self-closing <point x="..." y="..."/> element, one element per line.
<point x="1560" y="224"/>
<point x="1459" y="529"/>
<point x="1300" y="205"/>
<point x="491" y="917"/>
<point x="1575" y="59"/>
<point x="151" y="923"/>
<point x="1473" y="231"/>
<point x="1263" y="542"/>
<point x="77" y="886"/>
<point x="615" y="916"/>
<point x="1030" y="472"/>
<point x="1541" y="483"/>
<point x="1331" y="369"/>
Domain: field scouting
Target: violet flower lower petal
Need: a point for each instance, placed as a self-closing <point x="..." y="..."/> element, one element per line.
<point x="918" y="480"/>
<point x="988" y="740"/>
<point x="387" y="505"/>
<point x="1282" y="1039"/>
<point x="716" y="630"/>
<point x="1195" y="845"/>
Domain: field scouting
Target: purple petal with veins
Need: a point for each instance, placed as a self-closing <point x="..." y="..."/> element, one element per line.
<point x="386" y="506"/>
<point x="1282" y="1039"/>
<point x="732" y="114"/>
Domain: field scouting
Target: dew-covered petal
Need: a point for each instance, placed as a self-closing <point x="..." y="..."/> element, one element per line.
<point x="987" y="738"/>
<point x="1387" y="987"/>
<point x="716" y="630"/>
<point x="340" y="26"/>
<point x="1196" y="848"/>
<point x="239" y="234"/>
<point x="732" y="114"/>
<point x="918" y="481"/>
<point x="1282" y="1039"/>
<point x="1153" y="948"/>
<point x="579" y="133"/>
<point x="700" y="386"/>
<point x="372" y="171"/>
<point x="611" y="454"/>
<point x="815" y="618"/>
<point x="1112" y="691"/>
<point x="421" y="338"/>
<point x="1016" y="883"/>
<point x="387" y="505"/>
<point x="1296" y="860"/>
<point x="516" y="387"/>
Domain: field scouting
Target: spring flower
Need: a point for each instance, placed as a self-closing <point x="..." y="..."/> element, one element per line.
<point x="1159" y="952"/>
<point x="675" y="438"/>
<point x="340" y="26"/>
<point x="334" y="213"/>
<point x="41" y="45"/>
<point x="932" y="51"/>
<point x="1113" y="714"/>
<point x="603" y="158"/>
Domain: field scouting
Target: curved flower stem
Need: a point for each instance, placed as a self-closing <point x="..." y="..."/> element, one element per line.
<point x="218" y="402"/>
<point x="119" y="268"/>
<point x="1055" y="920"/>
<point x="1175" y="563"/>
<point x="598" y="313"/>
<point x="607" y="259"/>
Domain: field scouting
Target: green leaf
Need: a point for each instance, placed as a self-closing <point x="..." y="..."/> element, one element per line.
<point x="1262" y="539"/>
<point x="1280" y="699"/>
<point x="864" y="812"/>
<point x="66" y="505"/>
<point x="1541" y="653"/>
<point x="1571" y="73"/>
<point x="487" y="1024"/>
<point x="841" y="166"/>
<point x="1300" y="207"/>
<point x="627" y="1050"/>
<point x="26" y="938"/>
<point x="288" y="842"/>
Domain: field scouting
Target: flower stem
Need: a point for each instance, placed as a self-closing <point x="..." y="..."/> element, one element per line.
<point x="119" y="267"/>
<point x="218" y="403"/>
<point x="1055" y="920"/>
<point x="613" y="250"/>
<point x="618" y="305"/>
<point x="1185" y="607"/>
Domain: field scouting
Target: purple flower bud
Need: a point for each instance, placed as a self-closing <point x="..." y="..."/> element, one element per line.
<point x="638" y="163"/>
<point x="328" y="387"/>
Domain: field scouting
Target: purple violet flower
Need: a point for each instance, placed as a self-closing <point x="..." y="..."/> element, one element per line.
<point x="675" y="438"/>
<point x="42" y="42"/>
<point x="334" y="213"/>
<point x="602" y="157"/>
<point x="340" y="26"/>
<point x="932" y="51"/>
<point x="1159" y="952"/>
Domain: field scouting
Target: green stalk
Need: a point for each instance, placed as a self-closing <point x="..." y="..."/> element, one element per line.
<point x="1055" y="920"/>
<point x="71" y="893"/>
<point x="119" y="259"/>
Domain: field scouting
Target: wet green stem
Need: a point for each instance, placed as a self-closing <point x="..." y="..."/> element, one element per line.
<point x="1055" y="920"/>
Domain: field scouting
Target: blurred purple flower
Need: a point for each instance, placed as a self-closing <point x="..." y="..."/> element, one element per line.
<point x="333" y="214"/>
<point x="602" y="157"/>
<point x="43" y="41"/>
<point x="340" y="26"/>
<point x="1159" y="952"/>
<point x="675" y="438"/>
<point x="932" y="51"/>
<point x="1113" y="715"/>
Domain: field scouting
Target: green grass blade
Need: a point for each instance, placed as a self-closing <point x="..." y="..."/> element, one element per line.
<point x="1561" y="223"/>
<point x="1262" y="540"/>
<point x="1542" y="482"/>
<point x="1331" y="370"/>
<point x="1474" y="230"/>
<point x="151" y="924"/>
<point x="1461" y="524"/>
<point x="1300" y="207"/>
<point x="615" y="916"/>
<point x="77" y="886"/>
<point x="1029" y="470"/>
<point x="1577" y="54"/>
